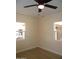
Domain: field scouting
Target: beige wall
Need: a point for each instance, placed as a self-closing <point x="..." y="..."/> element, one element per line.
<point x="39" y="33"/>
<point x="46" y="33"/>
<point x="30" y="39"/>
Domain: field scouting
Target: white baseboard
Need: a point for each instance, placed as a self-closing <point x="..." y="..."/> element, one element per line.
<point x="39" y="47"/>
<point x="51" y="51"/>
<point x="25" y="49"/>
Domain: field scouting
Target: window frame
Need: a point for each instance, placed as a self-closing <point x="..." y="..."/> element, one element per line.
<point x="57" y="31"/>
<point x="22" y="37"/>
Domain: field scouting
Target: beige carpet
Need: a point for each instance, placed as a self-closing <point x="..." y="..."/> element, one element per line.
<point x="38" y="53"/>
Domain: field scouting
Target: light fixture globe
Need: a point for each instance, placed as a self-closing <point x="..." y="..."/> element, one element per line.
<point x="41" y="6"/>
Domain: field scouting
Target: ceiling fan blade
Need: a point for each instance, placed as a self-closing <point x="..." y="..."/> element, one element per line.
<point x="39" y="10"/>
<point x="30" y="5"/>
<point x="50" y="6"/>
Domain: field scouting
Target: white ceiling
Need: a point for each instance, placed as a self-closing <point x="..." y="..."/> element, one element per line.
<point x="33" y="11"/>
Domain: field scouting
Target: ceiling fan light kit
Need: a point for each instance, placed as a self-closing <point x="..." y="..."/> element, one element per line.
<point x="41" y="4"/>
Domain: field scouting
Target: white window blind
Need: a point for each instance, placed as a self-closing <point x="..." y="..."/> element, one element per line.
<point x="20" y="30"/>
<point x="58" y="30"/>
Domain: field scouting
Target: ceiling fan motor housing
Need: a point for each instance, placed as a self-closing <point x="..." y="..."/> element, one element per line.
<point x="41" y="2"/>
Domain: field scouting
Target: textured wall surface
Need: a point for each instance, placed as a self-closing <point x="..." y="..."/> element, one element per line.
<point x="47" y="34"/>
<point x="30" y="35"/>
<point x="40" y="33"/>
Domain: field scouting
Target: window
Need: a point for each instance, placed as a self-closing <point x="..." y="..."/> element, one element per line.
<point x="20" y="30"/>
<point x="58" y="30"/>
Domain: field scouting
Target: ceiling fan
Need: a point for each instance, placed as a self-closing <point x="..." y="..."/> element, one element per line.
<point x="41" y="4"/>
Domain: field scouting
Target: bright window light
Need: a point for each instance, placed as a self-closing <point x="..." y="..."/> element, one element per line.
<point x="58" y="30"/>
<point x="59" y="23"/>
<point x="20" y="30"/>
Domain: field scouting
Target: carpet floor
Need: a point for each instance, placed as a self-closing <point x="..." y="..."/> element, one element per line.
<point x="37" y="53"/>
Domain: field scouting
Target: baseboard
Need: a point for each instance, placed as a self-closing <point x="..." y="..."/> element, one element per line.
<point x="51" y="51"/>
<point x="25" y="49"/>
<point x="39" y="47"/>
